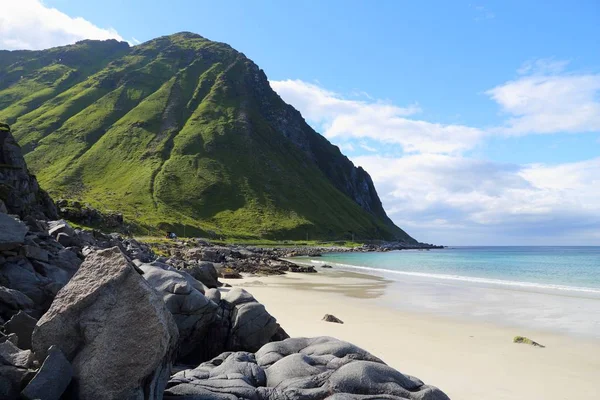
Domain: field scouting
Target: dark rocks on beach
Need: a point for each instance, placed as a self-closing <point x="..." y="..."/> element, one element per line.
<point x="21" y="325"/>
<point x="332" y="318"/>
<point x="326" y="266"/>
<point x="114" y="329"/>
<point x="52" y="379"/>
<point x="299" y="368"/>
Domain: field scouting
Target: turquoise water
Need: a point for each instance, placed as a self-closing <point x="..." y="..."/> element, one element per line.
<point x="557" y="268"/>
<point x="539" y="288"/>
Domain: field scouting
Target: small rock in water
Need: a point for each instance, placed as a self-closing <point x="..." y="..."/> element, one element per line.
<point x="523" y="339"/>
<point x="331" y="318"/>
<point x="326" y="266"/>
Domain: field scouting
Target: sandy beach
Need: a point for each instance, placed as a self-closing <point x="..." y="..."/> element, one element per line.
<point x="468" y="359"/>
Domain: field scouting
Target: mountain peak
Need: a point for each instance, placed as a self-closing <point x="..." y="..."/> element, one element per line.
<point x="181" y="131"/>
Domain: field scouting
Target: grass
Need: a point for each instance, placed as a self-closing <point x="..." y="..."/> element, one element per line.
<point x="183" y="134"/>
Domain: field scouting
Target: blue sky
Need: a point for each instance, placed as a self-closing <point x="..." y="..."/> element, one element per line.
<point x="479" y="121"/>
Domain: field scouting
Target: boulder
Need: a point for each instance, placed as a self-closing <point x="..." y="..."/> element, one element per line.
<point x="206" y="273"/>
<point x="113" y="328"/>
<point x="301" y="368"/>
<point x="35" y="252"/>
<point x="14" y="356"/>
<point x="12" y="301"/>
<point x="64" y="239"/>
<point x="19" y="274"/>
<point x="60" y="226"/>
<point x="12" y="380"/>
<point x="251" y="326"/>
<point x="21" y="325"/>
<point x="12" y="232"/>
<point x="19" y="190"/>
<point x="52" y="379"/>
<point x="184" y="297"/>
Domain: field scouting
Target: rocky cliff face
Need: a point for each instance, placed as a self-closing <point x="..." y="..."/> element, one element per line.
<point x="353" y="181"/>
<point x="20" y="193"/>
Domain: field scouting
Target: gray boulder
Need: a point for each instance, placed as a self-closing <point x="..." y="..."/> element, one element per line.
<point x="18" y="273"/>
<point x="14" y="356"/>
<point x="206" y="273"/>
<point x="298" y="369"/>
<point x="12" y="232"/>
<point x="60" y="226"/>
<point x="12" y="301"/>
<point x="35" y="253"/>
<point x="113" y="328"/>
<point x="52" y="379"/>
<point x="19" y="190"/>
<point x="21" y="325"/>
<point x="251" y="326"/>
<point x="184" y="297"/>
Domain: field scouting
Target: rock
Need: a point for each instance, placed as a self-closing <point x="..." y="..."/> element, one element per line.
<point x="331" y="318"/>
<point x="113" y="328"/>
<point x="35" y="253"/>
<point x="12" y="232"/>
<point x="301" y="368"/>
<point x="228" y="273"/>
<point x="193" y="312"/>
<point x="19" y="190"/>
<point x="11" y="301"/>
<point x="22" y="325"/>
<point x="206" y="273"/>
<point x="522" y="339"/>
<point x="60" y="226"/>
<point x="11" y="338"/>
<point x="12" y="355"/>
<point x="51" y="379"/>
<point x="213" y="295"/>
<point x="64" y="239"/>
<point x="251" y="325"/>
<point x="214" y="254"/>
<point x="67" y="260"/>
<point x="326" y="266"/>
<point x="12" y="379"/>
<point x="20" y="275"/>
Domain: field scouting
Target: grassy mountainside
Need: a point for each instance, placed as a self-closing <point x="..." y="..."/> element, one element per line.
<point x="181" y="131"/>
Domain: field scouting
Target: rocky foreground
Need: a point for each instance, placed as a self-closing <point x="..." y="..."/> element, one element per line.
<point x="85" y="315"/>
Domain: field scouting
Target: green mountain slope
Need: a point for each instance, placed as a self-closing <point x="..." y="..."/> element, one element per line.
<point x="183" y="131"/>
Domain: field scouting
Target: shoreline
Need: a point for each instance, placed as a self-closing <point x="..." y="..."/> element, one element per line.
<point x="468" y="359"/>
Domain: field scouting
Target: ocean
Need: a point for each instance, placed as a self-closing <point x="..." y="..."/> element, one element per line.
<point x="549" y="288"/>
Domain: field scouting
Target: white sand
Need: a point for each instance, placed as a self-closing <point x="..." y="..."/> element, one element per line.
<point x="468" y="360"/>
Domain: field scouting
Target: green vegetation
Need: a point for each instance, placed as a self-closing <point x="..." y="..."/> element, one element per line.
<point x="185" y="135"/>
<point x="525" y="340"/>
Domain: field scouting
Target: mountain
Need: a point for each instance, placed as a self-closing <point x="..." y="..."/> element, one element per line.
<point x="182" y="132"/>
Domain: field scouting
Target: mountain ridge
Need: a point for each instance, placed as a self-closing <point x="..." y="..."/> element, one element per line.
<point x="127" y="127"/>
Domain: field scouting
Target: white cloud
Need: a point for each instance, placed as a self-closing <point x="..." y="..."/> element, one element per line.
<point x="344" y="119"/>
<point x="31" y="25"/>
<point x="548" y="100"/>
<point x="366" y="147"/>
<point x="454" y="196"/>
<point x="436" y="192"/>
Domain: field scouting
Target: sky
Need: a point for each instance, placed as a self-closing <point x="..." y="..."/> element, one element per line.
<point x="479" y="122"/>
